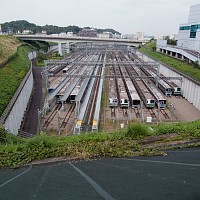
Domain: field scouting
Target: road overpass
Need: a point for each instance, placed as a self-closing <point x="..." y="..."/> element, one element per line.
<point x="69" y="39"/>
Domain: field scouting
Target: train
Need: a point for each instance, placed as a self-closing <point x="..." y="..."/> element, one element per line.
<point x="144" y="92"/>
<point x="135" y="100"/>
<point x="167" y="87"/>
<point x="113" y="99"/>
<point x="55" y="69"/>
<point x="161" y="101"/>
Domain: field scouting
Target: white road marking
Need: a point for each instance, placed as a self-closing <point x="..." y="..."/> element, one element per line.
<point x="161" y="162"/>
<point x="12" y="179"/>
<point x="98" y="188"/>
<point x="182" y="151"/>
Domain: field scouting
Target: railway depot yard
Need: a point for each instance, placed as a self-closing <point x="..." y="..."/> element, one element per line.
<point x="105" y="87"/>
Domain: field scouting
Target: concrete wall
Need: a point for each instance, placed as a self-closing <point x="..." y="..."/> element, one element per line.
<point x="15" y="111"/>
<point x="15" y="117"/>
<point x="191" y="89"/>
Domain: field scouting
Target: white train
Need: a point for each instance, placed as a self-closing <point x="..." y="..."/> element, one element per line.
<point x="135" y="100"/>
<point x="124" y="100"/>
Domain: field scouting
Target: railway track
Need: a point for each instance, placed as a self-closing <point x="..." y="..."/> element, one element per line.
<point x="113" y="112"/>
<point x="67" y="116"/>
<point x="89" y="113"/>
<point x="51" y="116"/>
<point x="125" y="112"/>
<point x="137" y="113"/>
<point x="165" y="114"/>
<point x="152" y="113"/>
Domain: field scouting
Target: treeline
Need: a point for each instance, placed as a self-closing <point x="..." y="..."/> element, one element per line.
<point x="21" y="25"/>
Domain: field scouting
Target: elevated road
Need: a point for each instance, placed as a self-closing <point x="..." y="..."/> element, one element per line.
<point x="70" y="39"/>
<point x="64" y="39"/>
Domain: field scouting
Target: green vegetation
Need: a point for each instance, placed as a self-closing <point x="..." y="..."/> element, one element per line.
<point x="20" y="25"/>
<point x="137" y="130"/>
<point x="8" y="48"/>
<point x="12" y="75"/>
<point x="170" y="41"/>
<point x="52" y="56"/>
<point x="15" y="151"/>
<point x="185" y="68"/>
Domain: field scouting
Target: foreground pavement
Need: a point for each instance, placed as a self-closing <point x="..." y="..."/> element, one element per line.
<point x="172" y="177"/>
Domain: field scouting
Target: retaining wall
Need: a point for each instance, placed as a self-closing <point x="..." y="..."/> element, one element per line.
<point x="14" y="113"/>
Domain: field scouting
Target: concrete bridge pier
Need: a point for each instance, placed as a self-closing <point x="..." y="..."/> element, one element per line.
<point x="67" y="46"/>
<point x="60" y="51"/>
<point x="62" y="48"/>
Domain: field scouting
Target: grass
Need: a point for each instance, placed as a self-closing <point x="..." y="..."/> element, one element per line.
<point x="8" y="47"/>
<point x="180" y="66"/>
<point x="12" y="75"/>
<point x="15" y="151"/>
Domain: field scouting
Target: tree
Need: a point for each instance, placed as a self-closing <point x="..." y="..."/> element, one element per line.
<point x="196" y="64"/>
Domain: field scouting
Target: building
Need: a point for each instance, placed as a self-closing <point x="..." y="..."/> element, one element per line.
<point x="105" y="35"/>
<point x="87" y="32"/>
<point x="70" y="34"/>
<point x="188" y="44"/>
<point x="25" y="32"/>
<point x="189" y="33"/>
<point x="129" y="36"/>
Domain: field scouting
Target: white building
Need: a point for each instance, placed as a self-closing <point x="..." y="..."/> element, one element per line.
<point x="189" y="33"/>
<point x="70" y="34"/>
<point x="105" y="35"/>
<point x="129" y="36"/>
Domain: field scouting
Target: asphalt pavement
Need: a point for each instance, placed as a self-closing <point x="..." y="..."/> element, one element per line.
<point x="172" y="177"/>
<point x="31" y="118"/>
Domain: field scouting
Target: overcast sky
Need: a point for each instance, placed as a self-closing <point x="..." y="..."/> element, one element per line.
<point x="126" y="16"/>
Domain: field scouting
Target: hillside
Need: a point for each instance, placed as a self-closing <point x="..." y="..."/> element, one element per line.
<point x="8" y="47"/>
<point x="21" y="25"/>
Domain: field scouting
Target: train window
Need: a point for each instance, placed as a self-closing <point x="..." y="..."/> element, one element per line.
<point x="115" y="100"/>
<point x="152" y="101"/>
<point x="178" y="89"/>
<point x="125" y="101"/>
<point x="162" y="102"/>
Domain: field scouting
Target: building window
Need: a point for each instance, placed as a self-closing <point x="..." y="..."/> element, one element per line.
<point x="183" y="28"/>
<point x="193" y="34"/>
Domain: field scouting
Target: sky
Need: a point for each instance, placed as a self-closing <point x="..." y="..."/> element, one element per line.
<point x="153" y="17"/>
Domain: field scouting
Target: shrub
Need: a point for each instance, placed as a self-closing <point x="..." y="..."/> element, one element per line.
<point x="137" y="130"/>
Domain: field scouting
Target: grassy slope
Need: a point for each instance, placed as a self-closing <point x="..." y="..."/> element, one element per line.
<point x="174" y="63"/>
<point x="15" y="151"/>
<point x="12" y="75"/>
<point x="8" y="47"/>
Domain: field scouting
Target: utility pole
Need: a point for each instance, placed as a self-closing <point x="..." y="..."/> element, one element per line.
<point x="58" y="122"/>
<point x="39" y="112"/>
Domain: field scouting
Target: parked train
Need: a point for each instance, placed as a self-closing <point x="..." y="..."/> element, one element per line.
<point x="124" y="100"/>
<point x="113" y="99"/>
<point x="144" y="92"/>
<point x="134" y="98"/>
<point x="162" y="85"/>
<point x="161" y="101"/>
